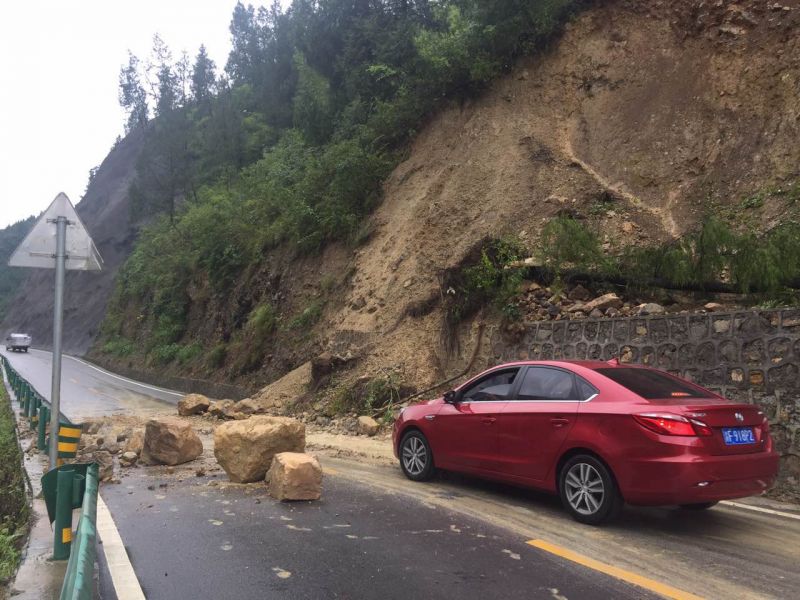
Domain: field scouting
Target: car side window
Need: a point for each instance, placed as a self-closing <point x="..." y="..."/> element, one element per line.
<point x="585" y="389"/>
<point x="496" y="386"/>
<point x="543" y="383"/>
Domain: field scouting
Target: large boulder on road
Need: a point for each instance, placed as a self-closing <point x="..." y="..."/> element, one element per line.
<point x="170" y="442"/>
<point x="135" y="442"/>
<point x="218" y="408"/>
<point x="245" y="448"/>
<point x="193" y="404"/>
<point x="295" y="476"/>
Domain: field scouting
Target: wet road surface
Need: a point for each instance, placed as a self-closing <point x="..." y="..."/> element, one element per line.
<point x="189" y="540"/>
<point x="89" y="391"/>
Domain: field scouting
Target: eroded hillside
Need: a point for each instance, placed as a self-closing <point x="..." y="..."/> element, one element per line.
<point x="640" y="120"/>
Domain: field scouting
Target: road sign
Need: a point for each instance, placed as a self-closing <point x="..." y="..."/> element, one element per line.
<point x="57" y="241"/>
<point x="38" y="249"/>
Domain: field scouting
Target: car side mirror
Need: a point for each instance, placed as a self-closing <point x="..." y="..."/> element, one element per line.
<point x="450" y="397"/>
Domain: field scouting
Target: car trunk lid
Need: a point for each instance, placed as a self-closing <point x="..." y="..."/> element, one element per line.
<point x="732" y="426"/>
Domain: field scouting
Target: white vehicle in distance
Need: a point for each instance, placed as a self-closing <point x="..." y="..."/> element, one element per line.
<point x="18" y="341"/>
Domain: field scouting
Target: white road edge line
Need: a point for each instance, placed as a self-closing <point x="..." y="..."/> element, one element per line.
<point x="768" y="511"/>
<point x="104" y="372"/>
<point x="123" y="577"/>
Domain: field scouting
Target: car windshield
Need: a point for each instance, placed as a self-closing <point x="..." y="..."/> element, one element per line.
<point x="651" y="384"/>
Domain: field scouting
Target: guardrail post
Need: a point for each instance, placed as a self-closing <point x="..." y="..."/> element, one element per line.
<point x="41" y="440"/>
<point x="62" y="532"/>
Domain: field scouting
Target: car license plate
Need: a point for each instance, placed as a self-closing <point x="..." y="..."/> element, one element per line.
<point x="738" y="435"/>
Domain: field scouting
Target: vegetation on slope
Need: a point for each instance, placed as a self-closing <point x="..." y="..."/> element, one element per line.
<point x="13" y="501"/>
<point x="289" y="147"/>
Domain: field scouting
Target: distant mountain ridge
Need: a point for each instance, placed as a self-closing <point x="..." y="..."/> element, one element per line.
<point x="105" y="210"/>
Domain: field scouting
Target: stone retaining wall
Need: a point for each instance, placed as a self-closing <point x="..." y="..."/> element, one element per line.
<point x="748" y="356"/>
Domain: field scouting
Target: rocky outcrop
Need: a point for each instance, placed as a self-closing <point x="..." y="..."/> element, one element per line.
<point x="244" y="449"/>
<point x="193" y="404"/>
<point x="170" y="442"/>
<point x="295" y="476"/>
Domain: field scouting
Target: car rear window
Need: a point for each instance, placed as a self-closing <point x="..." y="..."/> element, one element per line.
<point x="651" y="384"/>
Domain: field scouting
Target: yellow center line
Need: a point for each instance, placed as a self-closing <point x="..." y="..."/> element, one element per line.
<point x="643" y="582"/>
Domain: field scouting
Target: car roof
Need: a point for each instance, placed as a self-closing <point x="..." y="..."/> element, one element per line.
<point x="587" y="364"/>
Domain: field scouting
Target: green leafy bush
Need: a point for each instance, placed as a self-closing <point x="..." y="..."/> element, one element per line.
<point x="164" y="354"/>
<point x="188" y="353"/>
<point x="119" y="347"/>
<point x="310" y="315"/>
<point x="217" y="356"/>
<point x="568" y="243"/>
<point x="483" y="280"/>
<point x="263" y="321"/>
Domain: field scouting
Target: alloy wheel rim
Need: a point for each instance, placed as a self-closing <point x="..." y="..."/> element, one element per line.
<point x="584" y="488"/>
<point x="415" y="456"/>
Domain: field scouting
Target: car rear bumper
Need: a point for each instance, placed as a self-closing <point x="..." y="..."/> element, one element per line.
<point x="692" y="479"/>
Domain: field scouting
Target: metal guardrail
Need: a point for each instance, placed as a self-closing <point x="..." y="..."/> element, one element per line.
<point x="64" y="489"/>
<point x="78" y="580"/>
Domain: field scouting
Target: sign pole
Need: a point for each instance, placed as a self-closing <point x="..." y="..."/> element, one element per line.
<point x="58" y="321"/>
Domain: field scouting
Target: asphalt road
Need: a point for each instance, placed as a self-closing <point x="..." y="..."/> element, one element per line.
<point x="87" y="390"/>
<point x="376" y="535"/>
<point x="189" y="540"/>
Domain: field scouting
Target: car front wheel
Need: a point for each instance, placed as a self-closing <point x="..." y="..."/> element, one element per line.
<point x="588" y="491"/>
<point x="416" y="459"/>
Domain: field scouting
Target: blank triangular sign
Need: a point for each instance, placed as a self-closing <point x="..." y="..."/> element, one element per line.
<point x="38" y="249"/>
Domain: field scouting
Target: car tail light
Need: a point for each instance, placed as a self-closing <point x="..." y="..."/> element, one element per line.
<point x="669" y="424"/>
<point x="764" y="428"/>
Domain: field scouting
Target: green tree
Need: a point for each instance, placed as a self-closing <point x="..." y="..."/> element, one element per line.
<point x="203" y="84"/>
<point x="132" y="95"/>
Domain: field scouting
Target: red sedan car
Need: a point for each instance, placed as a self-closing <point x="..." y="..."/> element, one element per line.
<point x="596" y="433"/>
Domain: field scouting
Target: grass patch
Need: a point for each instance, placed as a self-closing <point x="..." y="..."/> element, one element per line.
<point x="14" y="509"/>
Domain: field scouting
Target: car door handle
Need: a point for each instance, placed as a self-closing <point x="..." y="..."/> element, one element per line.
<point x="559" y="422"/>
<point x="488" y="420"/>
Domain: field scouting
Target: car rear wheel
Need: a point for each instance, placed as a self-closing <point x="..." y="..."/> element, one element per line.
<point x="698" y="506"/>
<point x="588" y="491"/>
<point x="416" y="459"/>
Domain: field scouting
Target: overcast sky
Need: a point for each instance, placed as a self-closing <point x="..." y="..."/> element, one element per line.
<point x="60" y="60"/>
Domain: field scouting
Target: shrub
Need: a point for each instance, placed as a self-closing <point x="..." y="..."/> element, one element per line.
<point x="263" y="321"/>
<point x="567" y="243"/>
<point x="310" y="315"/>
<point x="217" y="356"/>
<point x="164" y="354"/>
<point x="118" y="346"/>
<point x="187" y="353"/>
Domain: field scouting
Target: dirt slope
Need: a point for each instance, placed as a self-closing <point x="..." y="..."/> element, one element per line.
<point x="651" y="114"/>
<point x="105" y="210"/>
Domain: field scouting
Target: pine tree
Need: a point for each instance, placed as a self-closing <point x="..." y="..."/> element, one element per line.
<point x="132" y="95"/>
